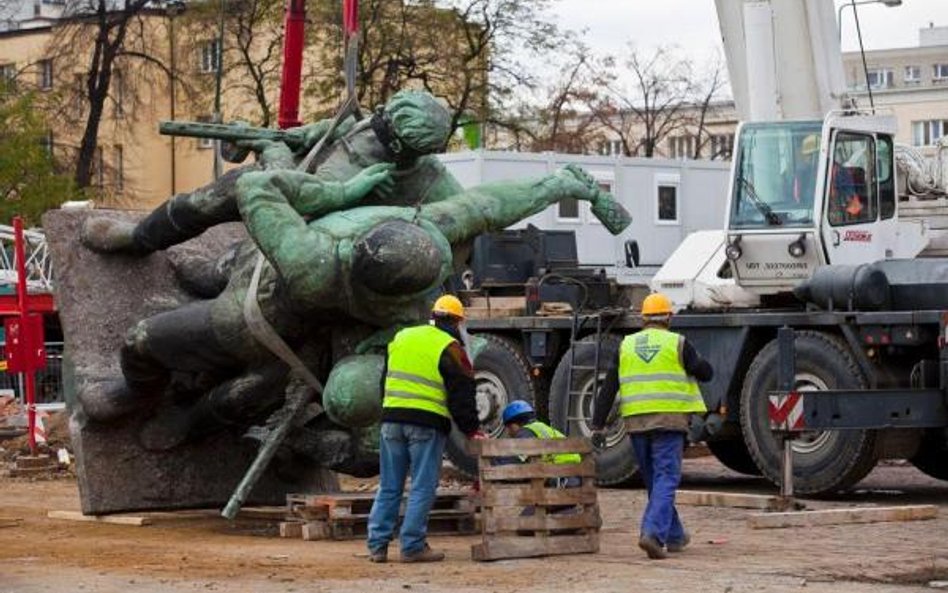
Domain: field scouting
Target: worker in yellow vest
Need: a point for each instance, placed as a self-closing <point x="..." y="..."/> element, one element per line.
<point x="520" y="422"/>
<point x="428" y="380"/>
<point x="656" y="376"/>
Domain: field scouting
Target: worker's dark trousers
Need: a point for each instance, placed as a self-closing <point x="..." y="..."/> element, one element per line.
<point x="187" y="215"/>
<point x="659" y="454"/>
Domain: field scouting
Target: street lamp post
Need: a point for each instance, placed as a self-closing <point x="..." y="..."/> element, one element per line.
<point x="839" y="13"/>
<point x="173" y="9"/>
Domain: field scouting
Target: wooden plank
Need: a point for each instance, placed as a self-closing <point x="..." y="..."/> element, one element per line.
<point x="315" y="530"/>
<point x="514" y="302"/>
<point x="728" y="499"/>
<point x="524" y="495"/>
<point x="842" y="516"/>
<point x="262" y="513"/>
<point x="538" y="469"/>
<point x="586" y="519"/>
<point x="134" y="520"/>
<point x="291" y="529"/>
<point x="508" y="447"/>
<point x="531" y="547"/>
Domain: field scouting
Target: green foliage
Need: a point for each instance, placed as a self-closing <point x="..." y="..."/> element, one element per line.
<point x="29" y="181"/>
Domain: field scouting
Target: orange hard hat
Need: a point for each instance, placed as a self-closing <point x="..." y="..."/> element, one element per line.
<point x="656" y="304"/>
<point x="448" y="304"/>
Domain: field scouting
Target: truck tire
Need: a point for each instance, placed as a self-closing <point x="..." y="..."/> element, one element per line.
<point x="571" y="413"/>
<point x="503" y="375"/>
<point x="932" y="456"/>
<point x="733" y="454"/>
<point x="824" y="462"/>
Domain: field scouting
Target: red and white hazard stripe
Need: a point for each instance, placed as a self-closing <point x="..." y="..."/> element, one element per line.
<point x="786" y="412"/>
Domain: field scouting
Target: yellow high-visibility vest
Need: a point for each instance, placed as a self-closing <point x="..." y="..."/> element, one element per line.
<point x="545" y="431"/>
<point x="413" y="380"/>
<point x="652" y="379"/>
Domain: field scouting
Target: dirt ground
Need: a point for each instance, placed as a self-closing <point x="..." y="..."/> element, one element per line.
<point x="38" y="554"/>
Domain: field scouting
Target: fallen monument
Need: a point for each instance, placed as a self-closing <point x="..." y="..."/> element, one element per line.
<point x="186" y="339"/>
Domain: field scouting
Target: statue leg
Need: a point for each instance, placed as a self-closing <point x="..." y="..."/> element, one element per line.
<point x="239" y="402"/>
<point x="183" y="217"/>
<point x="182" y="339"/>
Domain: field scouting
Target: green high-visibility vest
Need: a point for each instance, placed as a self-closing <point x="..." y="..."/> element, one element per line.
<point x="652" y="379"/>
<point x="413" y="380"/>
<point x="544" y="431"/>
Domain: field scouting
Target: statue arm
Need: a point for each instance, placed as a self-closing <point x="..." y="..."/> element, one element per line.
<point x="495" y="206"/>
<point x="297" y="252"/>
<point x="303" y="138"/>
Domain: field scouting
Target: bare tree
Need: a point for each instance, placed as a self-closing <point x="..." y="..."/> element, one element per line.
<point x="706" y="94"/>
<point x="471" y="53"/>
<point x="653" y="105"/>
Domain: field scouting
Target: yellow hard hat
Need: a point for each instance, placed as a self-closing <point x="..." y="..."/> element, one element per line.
<point x="656" y="304"/>
<point x="810" y="144"/>
<point x="448" y="305"/>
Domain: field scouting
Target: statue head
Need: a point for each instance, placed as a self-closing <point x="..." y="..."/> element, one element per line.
<point x="412" y="123"/>
<point x="396" y="258"/>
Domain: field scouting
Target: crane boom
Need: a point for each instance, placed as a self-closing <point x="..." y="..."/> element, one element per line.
<point x="789" y="50"/>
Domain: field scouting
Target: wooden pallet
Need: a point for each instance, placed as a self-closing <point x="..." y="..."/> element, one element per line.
<point x="507" y="490"/>
<point x="342" y="516"/>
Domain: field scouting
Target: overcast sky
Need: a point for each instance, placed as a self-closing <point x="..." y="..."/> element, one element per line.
<point x="693" y="26"/>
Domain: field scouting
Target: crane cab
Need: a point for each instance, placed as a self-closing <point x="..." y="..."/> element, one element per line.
<point x="810" y="193"/>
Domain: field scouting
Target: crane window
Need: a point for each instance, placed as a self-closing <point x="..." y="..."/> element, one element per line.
<point x="852" y="196"/>
<point x="776" y="173"/>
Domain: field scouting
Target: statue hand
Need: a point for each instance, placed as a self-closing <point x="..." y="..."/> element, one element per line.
<point x="270" y="155"/>
<point x="583" y="186"/>
<point x="377" y="177"/>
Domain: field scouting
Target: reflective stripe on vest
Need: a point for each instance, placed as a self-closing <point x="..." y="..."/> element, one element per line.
<point x="544" y="431"/>
<point x="413" y="380"/>
<point x="652" y="379"/>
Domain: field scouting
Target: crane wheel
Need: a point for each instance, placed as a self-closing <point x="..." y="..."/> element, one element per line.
<point x="824" y="462"/>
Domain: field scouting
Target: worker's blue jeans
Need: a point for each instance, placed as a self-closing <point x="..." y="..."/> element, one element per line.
<point x="405" y="447"/>
<point x="659" y="454"/>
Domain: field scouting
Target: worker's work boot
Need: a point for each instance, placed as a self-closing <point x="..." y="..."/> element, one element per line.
<point x="652" y="547"/>
<point x="379" y="556"/>
<point x="109" y="235"/>
<point x="679" y="546"/>
<point x="426" y="555"/>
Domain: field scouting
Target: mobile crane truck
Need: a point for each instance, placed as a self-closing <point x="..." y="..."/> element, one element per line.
<point x="831" y="230"/>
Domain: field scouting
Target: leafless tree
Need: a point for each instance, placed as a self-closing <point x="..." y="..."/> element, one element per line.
<point x="707" y="92"/>
<point x="653" y="105"/>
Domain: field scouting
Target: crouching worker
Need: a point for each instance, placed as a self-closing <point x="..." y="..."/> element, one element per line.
<point x="520" y="422"/>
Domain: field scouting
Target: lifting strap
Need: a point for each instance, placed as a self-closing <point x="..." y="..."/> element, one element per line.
<point x="256" y="323"/>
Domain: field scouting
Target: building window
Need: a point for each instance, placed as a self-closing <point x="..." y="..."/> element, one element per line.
<point x="611" y="148"/>
<point x="927" y="133"/>
<point x="99" y="168"/>
<point x="880" y="78"/>
<point x="45" y="74"/>
<point x="119" y="168"/>
<point x="205" y="143"/>
<point x="210" y="56"/>
<point x="913" y="75"/>
<point x="567" y="210"/>
<point x="8" y="77"/>
<point x="47" y="143"/>
<point x="666" y="198"/>
<point x="940" y="72"/>
<point x="721" y="146"/>
<point x="118" y="93"/>
<point x="680" y="147"/>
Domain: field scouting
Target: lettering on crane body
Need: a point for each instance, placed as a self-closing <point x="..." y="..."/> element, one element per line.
<point x="853" y="236"/>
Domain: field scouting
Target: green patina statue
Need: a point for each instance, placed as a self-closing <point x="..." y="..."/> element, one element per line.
<point x="332" y="257"/>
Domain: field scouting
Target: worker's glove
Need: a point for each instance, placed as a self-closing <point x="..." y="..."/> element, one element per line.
<point x="598" y="439"/>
